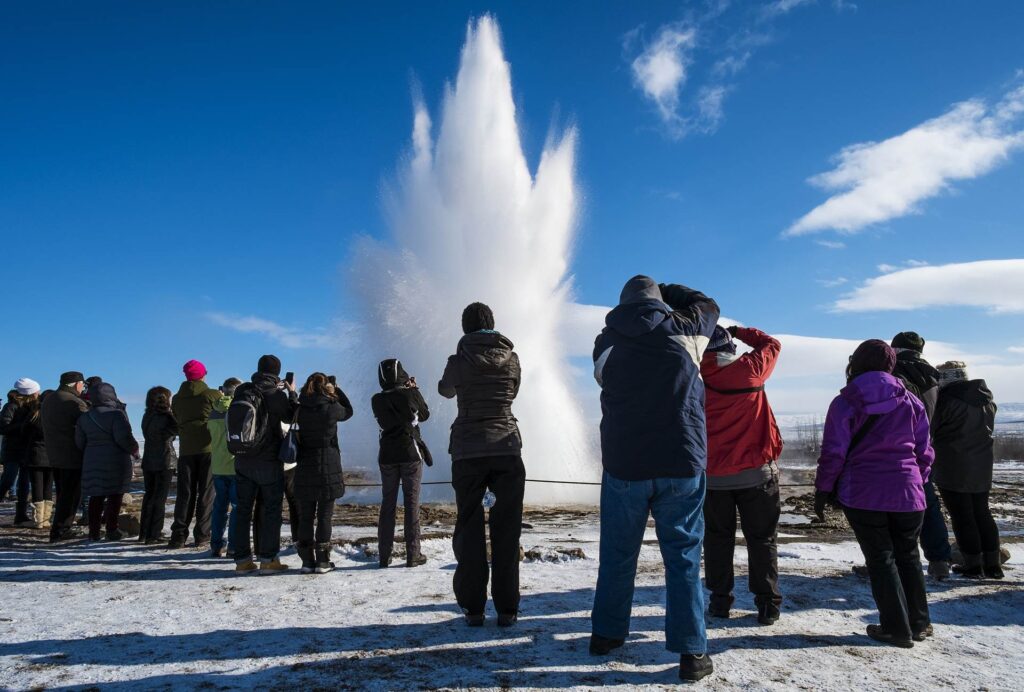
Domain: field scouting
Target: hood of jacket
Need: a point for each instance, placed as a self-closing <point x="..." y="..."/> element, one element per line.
<point x="391" y="374"/>
<point x="912" y="367"/>
<point x="104" y="396"/>
<point x="637" y="318"/>
<point x="971" y="392"/>
<point x="486" y="349"/>
<point x="265" y="381"/>
<point x="874" y="392"/>
<point x="221" y="404"/>
<point x="192" y="388"/>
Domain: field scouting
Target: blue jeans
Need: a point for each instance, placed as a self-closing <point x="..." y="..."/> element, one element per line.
<point x="226" y="489"/>
<point x="678" y="508"/>
<point x="934" y="535"/>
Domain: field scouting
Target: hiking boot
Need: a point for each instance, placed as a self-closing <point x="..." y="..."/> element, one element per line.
<point x="767" y="613"/>
<point x="923" y="634"/>
<point x="114" y="535"/>
<point x="507" y="619"/>
<point x="176" y="543"/>
<point x="879" y="635"/>
<point x="602" y="646"/>
<point x="274" y="566"/>
<point x="475" y="619"/>
<point x="861" y="571"/>
<point x="415" y="561"/>
<point x="938" y="570"/>
<point x="323" y="559"/>
<point x="992" y="565"/>
<point x="247" y="567"/>
<point x="693" y="667"/>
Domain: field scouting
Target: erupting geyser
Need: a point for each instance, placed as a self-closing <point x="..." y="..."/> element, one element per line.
<point x="470" y="222"/>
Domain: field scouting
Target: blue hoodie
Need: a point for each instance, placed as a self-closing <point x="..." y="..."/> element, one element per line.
<point x="647" y="362"/>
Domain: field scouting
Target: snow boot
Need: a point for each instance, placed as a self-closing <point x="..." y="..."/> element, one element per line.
<point x="323" y="561"/>
<point x="47" y="514"/>
<point x="305" y="551"/>
<point x="767" y="613"/>
<point x="246" y="567"/>
<point x="992" y="565"/>
<point x="39" y="515"/>
<point x="971" y="567"/>
<point x="879" y="635"/>
<point x="938" y="570"/>
<point x="274" y="566"/>
<point x="602" y="646"/>
<point x="693" y="667"/>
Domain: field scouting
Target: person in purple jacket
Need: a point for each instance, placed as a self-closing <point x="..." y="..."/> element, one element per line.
<point x="875" y="459"/>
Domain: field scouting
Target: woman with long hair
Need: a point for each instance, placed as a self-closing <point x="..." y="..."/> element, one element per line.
<point x="159" y="428"/>
<point x="875" y="458"/>
<point x="318" y="475"/>
<point x="104" y="435"/>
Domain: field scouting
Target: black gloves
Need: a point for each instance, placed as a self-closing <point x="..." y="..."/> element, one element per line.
<point x="731" y="330"/>
<point x="822" y="499"/>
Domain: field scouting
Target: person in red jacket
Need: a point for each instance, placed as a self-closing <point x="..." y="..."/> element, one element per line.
<point x="744" y="443"/>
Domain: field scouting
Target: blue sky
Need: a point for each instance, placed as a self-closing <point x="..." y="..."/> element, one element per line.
<point x="158" y="164"/>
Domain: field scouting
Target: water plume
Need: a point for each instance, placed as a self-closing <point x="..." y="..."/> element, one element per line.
<point x="469" y="221"/>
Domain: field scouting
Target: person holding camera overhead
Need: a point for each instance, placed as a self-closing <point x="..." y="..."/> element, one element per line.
<point x="254" y="423"/>
<point x="399" y="409"/>
<point x="318" y="475"/>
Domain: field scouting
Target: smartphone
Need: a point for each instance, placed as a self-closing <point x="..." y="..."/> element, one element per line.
<point x="289" y="377"/>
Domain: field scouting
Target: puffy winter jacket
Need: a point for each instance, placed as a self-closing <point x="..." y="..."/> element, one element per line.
<point x="192" y="406"/>
<point x="742" y="432"/>
<point x="222" y="461"/>
<point x="887" y="470"/>
<point x="919" y="377"/>
<point x="318" y="475"/>
<point x="399" y="410"/>
<point x="262" y="464"/>
<point x="13" y="447"/>
<point x="26" y="437"/>
<point x="105" y="437"/>
<point x="647" y="362"/>
<point x="59" y="414"/>
<point x="484" y="377"/>
<point x="159" y="430"/>
<point x="962" y="434"/>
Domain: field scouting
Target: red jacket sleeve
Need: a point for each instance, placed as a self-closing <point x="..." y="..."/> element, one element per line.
<point x="765" y="355"/>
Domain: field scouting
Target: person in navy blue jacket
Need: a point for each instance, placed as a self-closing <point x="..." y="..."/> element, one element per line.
<point x="654" y="452"/>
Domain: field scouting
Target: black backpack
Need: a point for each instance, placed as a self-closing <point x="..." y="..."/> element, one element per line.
<point x="246" y="420"/>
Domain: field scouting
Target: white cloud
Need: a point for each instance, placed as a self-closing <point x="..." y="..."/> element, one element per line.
<point x="874" y="182"/>
<point x="780" y="7"/>
<point x="831" y="244"/>
<point x="660" y="69"/>
<point x="334" y="337"/>
<point x="1016" y="349"/>
<point x="996" y="285"/>
<point x="889" y="268"/>
<point x="833" y="283"/>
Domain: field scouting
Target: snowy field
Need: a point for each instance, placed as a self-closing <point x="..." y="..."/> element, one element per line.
<point x="115" y="616"/>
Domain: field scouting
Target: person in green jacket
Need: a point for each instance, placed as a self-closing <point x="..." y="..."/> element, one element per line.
<point x="192" y="406"/>
<point x="223" y="468"/>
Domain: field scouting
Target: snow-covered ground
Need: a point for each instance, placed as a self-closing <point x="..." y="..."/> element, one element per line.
<point x="120" y="616"/>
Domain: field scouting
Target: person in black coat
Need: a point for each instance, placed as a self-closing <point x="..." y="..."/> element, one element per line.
<point x="105" y="437"/>
<point x="399" y="409"/>
<point x="318" y="474"/>
<point x="962" y="432"/>
<point x="484" y="376"/>
<point x="27" y="429"/>
<point x="16" y="474"/>
<point x="159" y="428"/>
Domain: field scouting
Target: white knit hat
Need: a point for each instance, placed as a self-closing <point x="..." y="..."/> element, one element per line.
<point x="26" y="386"/>
<point x="952" y="371"/>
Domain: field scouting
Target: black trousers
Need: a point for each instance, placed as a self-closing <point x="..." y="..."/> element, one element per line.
<point x="314" y="522"/>
<point x="409" y="475"/>
<point x="975" y="529"/>
<point x="759" y="509"/>
<point x="154" y="503"/>
<point x="293" y="513"/>
<point x="42" y="483"/>
<point x="104" y="510"/>
<point x="270" y="497"/>
<point x="194" y="499"/>
<point x="505" y="476"/>
<point x="889" y="543"/>
<point x="69" y="496"/>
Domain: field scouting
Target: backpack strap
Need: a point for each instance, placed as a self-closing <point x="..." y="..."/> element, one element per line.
<point x="730" y="392"/>
<point x="861" y="433"/>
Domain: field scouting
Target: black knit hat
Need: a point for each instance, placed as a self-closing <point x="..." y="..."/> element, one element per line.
<point x="475" y="317"/>
<point x="911" y="341"/>
<point x="71" y="376"/>
<point x="269" y="365"/>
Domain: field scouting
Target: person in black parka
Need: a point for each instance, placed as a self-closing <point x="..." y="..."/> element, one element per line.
<point x="159" y="428"/>
<point x="962" y="432"/>
<point x="399" y="409"/>
<point x="27" y="428"/>
<point x="11" y="456"/>
<point x="104" y="435"/>
<point x="318" y="474"/>
<point x="484" y="377"/>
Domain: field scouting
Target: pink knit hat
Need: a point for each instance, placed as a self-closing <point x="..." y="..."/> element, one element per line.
<point x="194" y="370"/>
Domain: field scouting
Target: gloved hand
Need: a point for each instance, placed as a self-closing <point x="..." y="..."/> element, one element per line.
<point x="821" y="501"/>
<point x="732" y="330"/>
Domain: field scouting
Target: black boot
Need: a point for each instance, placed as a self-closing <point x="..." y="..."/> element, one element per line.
<point x="21" y="513"/>
<point x="992" y="565"/>
<point x="767" y="613"/>
<point x="971" y="567"/>
<point x="879" y="635"/>
<point x="323" y="562"/>
<point x="693" y="667"/>
<point x="305" y="551"/>
<point x="415" y="560"/>
<point x="602" y="646"/>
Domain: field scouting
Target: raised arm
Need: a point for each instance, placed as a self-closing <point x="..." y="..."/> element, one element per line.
<point x="449" y="380"/>
<point x="691" y="306"/>
<point x="765" y="354"/>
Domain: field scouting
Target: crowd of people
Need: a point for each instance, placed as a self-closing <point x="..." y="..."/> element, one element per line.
<point x="687" y="435"/>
